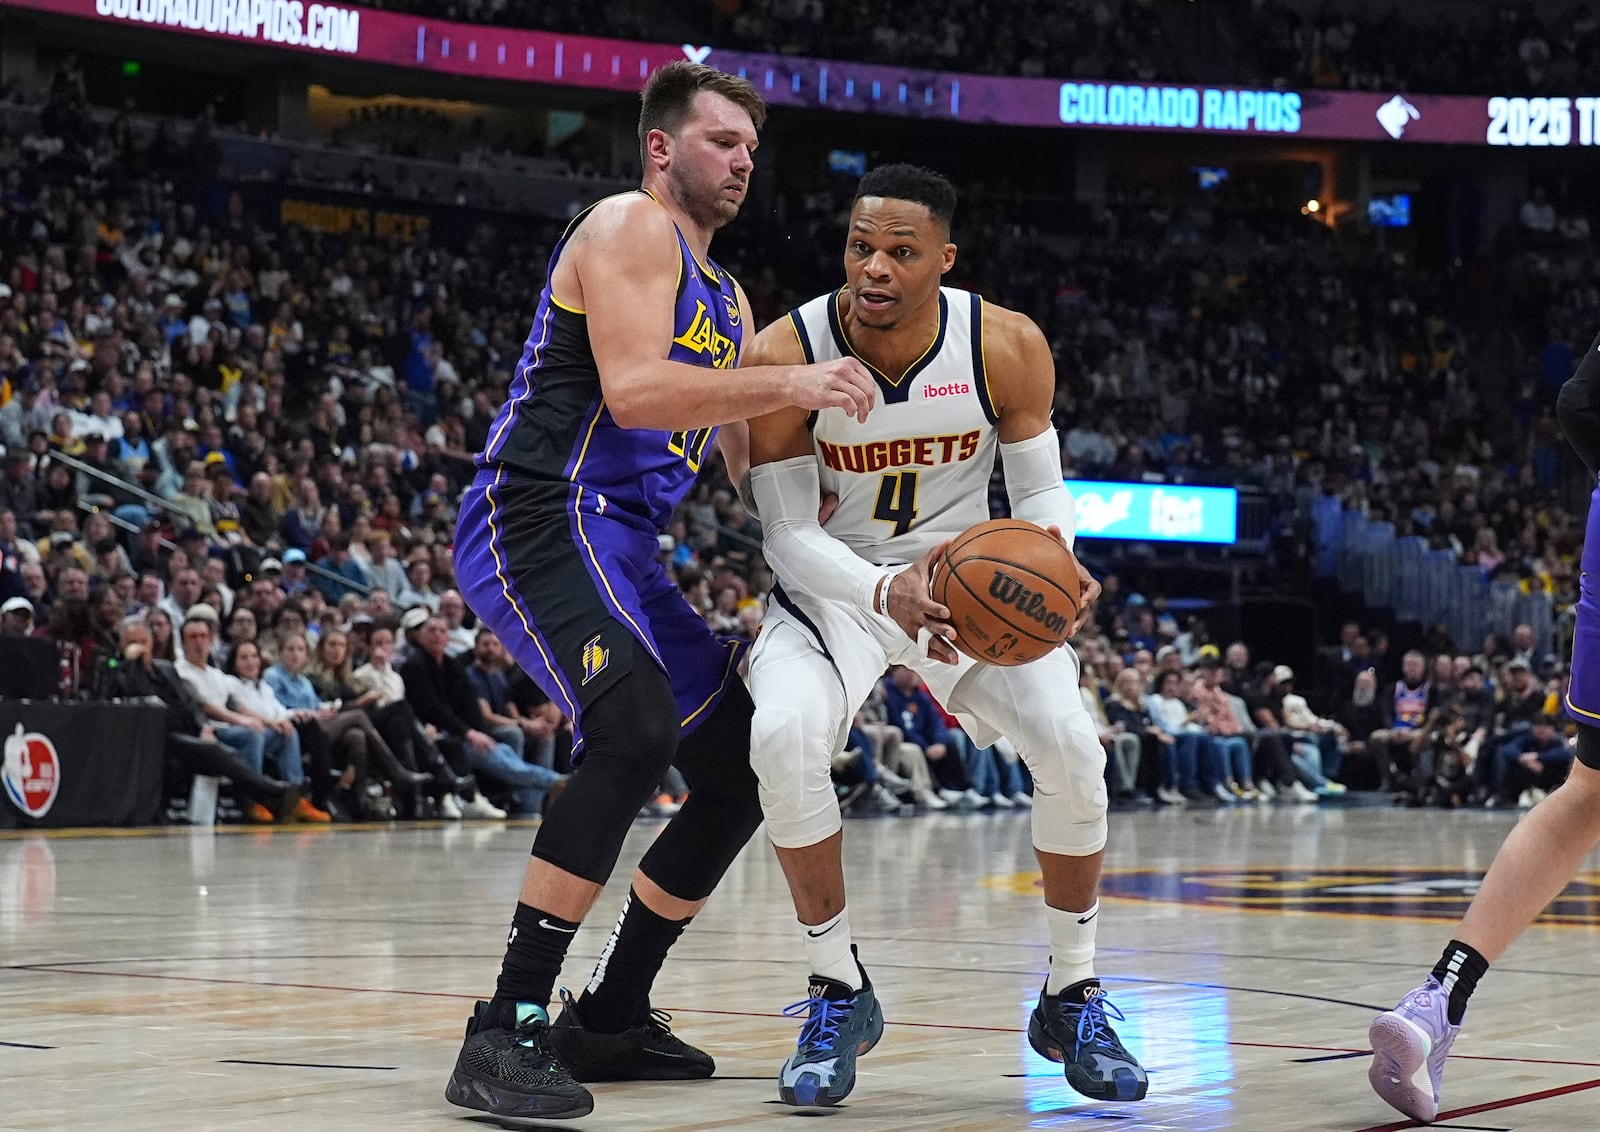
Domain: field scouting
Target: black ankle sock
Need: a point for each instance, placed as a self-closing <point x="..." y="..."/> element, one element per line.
<point x="618" y="995"/>
<point x="534" y="951"/>
<point x="1458" y="971"/>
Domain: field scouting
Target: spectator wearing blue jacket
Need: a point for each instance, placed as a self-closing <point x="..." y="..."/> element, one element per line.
<point x="1534" y="763"/>
<point x="338" y="561"/>
<point x="908" y="706"/>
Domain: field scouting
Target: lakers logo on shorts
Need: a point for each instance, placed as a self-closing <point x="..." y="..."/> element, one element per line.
<point x="595" y="659"/>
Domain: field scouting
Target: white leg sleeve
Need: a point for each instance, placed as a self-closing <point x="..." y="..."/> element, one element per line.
<point x="800" y="713"/>
<point x="1036" y="706"/>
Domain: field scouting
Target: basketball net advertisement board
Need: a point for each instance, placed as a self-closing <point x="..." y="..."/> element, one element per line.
<point x="345" y="31"/>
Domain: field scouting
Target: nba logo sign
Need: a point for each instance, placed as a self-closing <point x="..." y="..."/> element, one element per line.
<point x="31" y="772"/>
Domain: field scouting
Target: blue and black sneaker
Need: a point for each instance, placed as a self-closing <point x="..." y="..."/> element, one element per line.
<point x="841" y="1024"/>
<point x="506" y="1066"/>
<point x="1073" y="1028"/>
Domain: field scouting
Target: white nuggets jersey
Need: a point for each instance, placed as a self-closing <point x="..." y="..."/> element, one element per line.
<point x="917" y="472"/>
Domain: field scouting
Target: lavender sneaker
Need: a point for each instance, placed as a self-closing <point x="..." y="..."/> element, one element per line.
<point x="1412" y="1038"/>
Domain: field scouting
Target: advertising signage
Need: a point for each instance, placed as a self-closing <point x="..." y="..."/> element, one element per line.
<point x="1156" y="512"/>
<point x="346" y="31"/>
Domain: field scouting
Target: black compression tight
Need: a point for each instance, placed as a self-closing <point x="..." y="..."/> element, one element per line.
<point x="630" y="738"/>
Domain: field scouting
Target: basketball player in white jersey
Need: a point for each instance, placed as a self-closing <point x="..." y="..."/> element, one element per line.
<point x="957" y="379"/>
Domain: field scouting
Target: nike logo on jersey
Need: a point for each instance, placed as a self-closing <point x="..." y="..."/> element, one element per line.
<point x="910" y="451"/>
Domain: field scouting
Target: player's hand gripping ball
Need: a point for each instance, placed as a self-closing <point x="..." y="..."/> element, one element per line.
<point x="1013" y="590"/>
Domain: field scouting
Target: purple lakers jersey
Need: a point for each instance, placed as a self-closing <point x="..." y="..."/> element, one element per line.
<point x="555" y="428"/>
<point x="1410" y="705"/>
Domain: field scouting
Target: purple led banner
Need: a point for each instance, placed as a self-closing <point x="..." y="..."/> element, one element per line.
<point x="346" y="31"/>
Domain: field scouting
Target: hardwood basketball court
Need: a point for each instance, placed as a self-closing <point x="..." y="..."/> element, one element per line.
<point x="307" y="979"/>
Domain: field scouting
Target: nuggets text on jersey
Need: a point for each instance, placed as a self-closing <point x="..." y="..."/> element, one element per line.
<point x="911" y="451"/>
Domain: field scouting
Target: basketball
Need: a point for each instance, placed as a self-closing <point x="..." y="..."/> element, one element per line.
<point x="1012" y="591"/>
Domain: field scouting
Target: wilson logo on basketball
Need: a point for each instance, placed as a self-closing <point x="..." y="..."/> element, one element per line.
<point x="954" y="389"/>
<point x="1029" y="603"/>
<point x="31" y="772"/>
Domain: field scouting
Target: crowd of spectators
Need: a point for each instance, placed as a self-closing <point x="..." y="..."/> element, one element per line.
<point x="1479" y="723"/>
<point x="575" y="17"/>
<point x="290" y="417"/>
<point x="1505" y="48"/>
<point x="1512" y="47"/>
<point x="1183" y="721"/>
<point x="1116" y="38"/>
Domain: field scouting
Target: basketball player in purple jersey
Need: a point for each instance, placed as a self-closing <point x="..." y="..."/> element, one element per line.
<point x="627" y="373"/>
<point x="1410" y="1042"/>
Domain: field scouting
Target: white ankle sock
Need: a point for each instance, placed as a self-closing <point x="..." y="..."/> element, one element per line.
<point x="828" y="950"/>
<point x="1071" y="946"/>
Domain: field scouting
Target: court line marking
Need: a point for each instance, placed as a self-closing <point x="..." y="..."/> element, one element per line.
<point x="345" y="921"/>
<point x="1135" y="979"/>
<point x="25" y="1045"/>
<point x="1375" y="917"/>
<point x="98" y="833"/>
<point x="1493" y="1106"/>
<point x="305" y="1064"/>
<point x="742" y="1013"/>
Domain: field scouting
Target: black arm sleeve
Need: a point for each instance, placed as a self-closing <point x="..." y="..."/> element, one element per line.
<point x="1578" y="407"/>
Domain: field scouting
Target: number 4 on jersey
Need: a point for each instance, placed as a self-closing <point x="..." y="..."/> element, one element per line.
<point x="897" y="501"/>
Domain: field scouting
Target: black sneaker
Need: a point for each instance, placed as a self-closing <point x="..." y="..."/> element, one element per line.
<point x="1080" y="1036"/>
<point x="506" y="1067"/>
<point x="647" y="1052"/>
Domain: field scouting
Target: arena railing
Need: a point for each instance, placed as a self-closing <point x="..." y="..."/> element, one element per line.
<point x="1423" y="585"/>
<point x="156" y="501"/>
<point x="118" y="483"/>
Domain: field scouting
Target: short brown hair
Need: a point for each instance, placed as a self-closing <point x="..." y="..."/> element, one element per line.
<point x="669" y="94"/>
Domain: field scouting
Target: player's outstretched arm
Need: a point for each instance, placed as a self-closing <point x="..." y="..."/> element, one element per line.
<point x="1023" y="388"/>
<point x="785" y="485"/>
<point x="626" y="258"/>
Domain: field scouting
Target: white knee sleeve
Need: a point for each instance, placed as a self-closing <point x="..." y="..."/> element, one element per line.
<point x="1068" y="765"/>
<point x="791" y="762"/>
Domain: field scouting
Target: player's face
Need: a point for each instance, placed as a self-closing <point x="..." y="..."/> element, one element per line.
<point x="894" y="256"/>
<point x="708" y="161"/>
